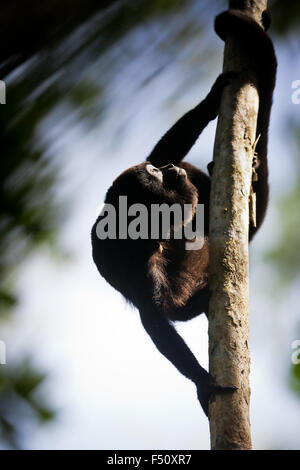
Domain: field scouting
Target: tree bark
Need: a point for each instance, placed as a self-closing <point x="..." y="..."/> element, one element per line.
<point x="229" y="359"/>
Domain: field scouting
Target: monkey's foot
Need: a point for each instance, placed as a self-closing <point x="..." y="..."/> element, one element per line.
<point x="206" y="391"/>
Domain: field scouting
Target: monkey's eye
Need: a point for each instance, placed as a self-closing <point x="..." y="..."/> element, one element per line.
<point x="153" y="171"/>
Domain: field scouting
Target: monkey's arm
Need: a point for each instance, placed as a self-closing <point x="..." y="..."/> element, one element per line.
<point x="176" y="143"/>
<point x="172" y="346"/>
<point x="259" y="46"/>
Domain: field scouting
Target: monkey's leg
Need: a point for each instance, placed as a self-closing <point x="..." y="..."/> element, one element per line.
<point x="173" y="347"/>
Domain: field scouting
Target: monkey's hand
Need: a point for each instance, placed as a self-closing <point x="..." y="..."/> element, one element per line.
<point x="207" y="389"/>
<point x="213" y="98"/>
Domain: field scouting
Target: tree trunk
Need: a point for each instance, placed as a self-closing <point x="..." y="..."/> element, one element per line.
<point x="229" y="360"/>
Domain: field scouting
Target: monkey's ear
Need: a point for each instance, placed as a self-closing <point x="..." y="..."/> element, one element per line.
<point x="266" y="19"/>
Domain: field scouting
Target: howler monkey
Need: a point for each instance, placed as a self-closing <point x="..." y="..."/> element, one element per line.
<point x="160" y="277"/>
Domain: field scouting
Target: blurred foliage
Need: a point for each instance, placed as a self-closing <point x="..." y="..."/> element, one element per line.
<point x="28" y="216"/>
<point x="294" y="380"/>
<point x="285" y="255"/>
<point x="60" y="59"/>
<point x="294" y="377"/>
<point x="21" y="401"/>
<point x="285" y="16"/>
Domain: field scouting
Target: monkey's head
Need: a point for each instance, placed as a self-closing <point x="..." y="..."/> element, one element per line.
<point x="146" y="184"/>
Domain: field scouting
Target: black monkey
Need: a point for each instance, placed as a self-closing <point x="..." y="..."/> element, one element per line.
<point x="160" y="277"/>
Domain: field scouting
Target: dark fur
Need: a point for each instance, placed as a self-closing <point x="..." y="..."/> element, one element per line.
<point x="160" y="277"/>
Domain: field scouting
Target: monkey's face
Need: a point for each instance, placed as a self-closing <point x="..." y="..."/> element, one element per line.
<point x="147" y="184"/>
<point x="170" y="176"/>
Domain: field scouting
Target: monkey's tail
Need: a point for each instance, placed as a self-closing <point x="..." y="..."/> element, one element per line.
<point x="259" y="46"/>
